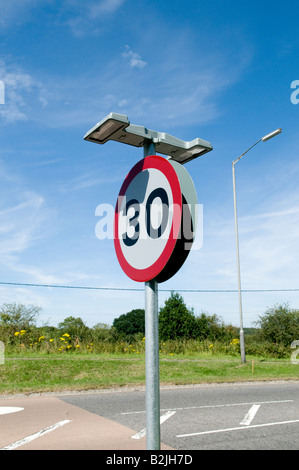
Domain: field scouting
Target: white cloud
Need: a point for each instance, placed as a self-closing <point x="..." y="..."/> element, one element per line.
<point x="180" y="88"/>
<point x="89" y="179"/>
<point x="268" y="243"/>
<point x="19" y="223"/>
<point x="134" y="58"/>
<point x="98" y="9"/>
<point x="22" y="92"/>
<point x="84" y="19"/>
<point x="25" y="218"/>
<point x="270" y="248"/>
<point x="15" y="9"/>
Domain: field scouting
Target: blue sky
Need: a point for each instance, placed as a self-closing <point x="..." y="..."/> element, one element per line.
<point x="220" y="71"/>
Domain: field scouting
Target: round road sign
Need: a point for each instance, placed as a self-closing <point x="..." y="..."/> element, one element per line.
<point x="148" y="220"/>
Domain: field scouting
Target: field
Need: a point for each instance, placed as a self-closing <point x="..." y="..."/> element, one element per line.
<point x="36" y="373"/>
<point x="52" y="360"/>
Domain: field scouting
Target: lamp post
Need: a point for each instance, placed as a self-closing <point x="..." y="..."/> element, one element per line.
<point x="263" y="139"/>
<point x="117" y="127"/>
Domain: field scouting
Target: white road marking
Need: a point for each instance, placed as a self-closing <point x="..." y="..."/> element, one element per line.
<point x="140" y="434"/>
<point x="211" y="406"/>
<point x="238" y="428"/>
<point x="163" y="418"/>
<point x="27" y="439"/>
<point x="250" y="415"/>
<point x="5" y="410"/>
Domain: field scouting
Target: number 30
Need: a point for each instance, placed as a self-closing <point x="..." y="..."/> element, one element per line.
<point x="134" y="220"/>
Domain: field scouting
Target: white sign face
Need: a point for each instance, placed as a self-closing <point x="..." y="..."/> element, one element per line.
<point x="148" y="218"/>
<point x="145" y="218"/>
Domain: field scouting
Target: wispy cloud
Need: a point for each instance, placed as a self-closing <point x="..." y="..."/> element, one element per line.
<point x="22" y="92"/>
<point x="133" y="58"/>
<point x="19" y="223"/>
<point x="25" y="218"/>
<point x="270" y="248"/>
<point x="268" y="241"/>
<point x="85" y="19"/>
<point x="188" y="93"/>
<point x="15" y="9"/>
<point x="88" y="180"/>
<point x="184" y="84"/>
<point x="104" y="7"/>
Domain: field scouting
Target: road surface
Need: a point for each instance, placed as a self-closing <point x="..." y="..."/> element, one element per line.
<point x="248" y="416"/>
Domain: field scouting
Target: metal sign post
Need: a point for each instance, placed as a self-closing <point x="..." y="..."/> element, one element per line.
<point x="152" y="383"/>
<point x="146" y="252"/>
<point x="152" y="373"/>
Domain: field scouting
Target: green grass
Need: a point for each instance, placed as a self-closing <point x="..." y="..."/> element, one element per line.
<point x="46" y="373"/>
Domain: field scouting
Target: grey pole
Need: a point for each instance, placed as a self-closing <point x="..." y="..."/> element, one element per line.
<point x="242" y="342"/>
<point x="152" y="366"/>
<point x="152" y="382"/>
<point x="263" y="139"/>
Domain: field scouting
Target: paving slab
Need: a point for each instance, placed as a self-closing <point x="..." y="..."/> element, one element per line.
<point x="48" y="423"/>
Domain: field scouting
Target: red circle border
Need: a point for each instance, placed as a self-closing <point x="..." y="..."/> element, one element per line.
<point x="161" y="164"/>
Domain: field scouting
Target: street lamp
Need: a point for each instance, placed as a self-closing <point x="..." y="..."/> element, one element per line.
<point x="263" y="139"/>
<point x="118" y="128"/>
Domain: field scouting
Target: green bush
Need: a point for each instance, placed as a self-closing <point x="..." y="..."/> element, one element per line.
<point x="279" y="325"/>
<point x="130" y="324"/>
<point x="16" y="317"/>
<point x="75" y="327"/>
<point x="176" y="320"/>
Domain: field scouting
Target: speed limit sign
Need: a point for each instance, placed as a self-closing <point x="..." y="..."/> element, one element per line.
<point x="150" y="213"/>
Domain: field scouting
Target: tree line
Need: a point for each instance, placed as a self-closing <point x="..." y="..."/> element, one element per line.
<point x="176" y="321"/>
<point x="278" y="327"/>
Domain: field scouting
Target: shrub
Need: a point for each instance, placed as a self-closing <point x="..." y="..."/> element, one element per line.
<point x="129" y="324"/>
<point x="279" y="324"/>
<point x="176" y="320"/>
<point x="75" y="327"/>
<point x="15" y="317"/>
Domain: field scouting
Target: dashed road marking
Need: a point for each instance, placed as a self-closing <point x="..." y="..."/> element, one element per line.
<point x="250" y="415"/>
<point x="225" y="405"/>
<point x="5" y="410"/>
<point x="36" y="435"/>
<point x="237" y="428"/>
<point x="163" y="418"/>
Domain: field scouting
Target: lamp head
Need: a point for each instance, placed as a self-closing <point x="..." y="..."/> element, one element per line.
<point x="117" y="127"/>
<point x="272" y="134"/>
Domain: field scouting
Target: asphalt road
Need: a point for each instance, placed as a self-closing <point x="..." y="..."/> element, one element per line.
<point x="249" y="416"/>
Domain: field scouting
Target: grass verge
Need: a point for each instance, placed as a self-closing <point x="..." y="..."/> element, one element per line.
<point x="40" y="373"/>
